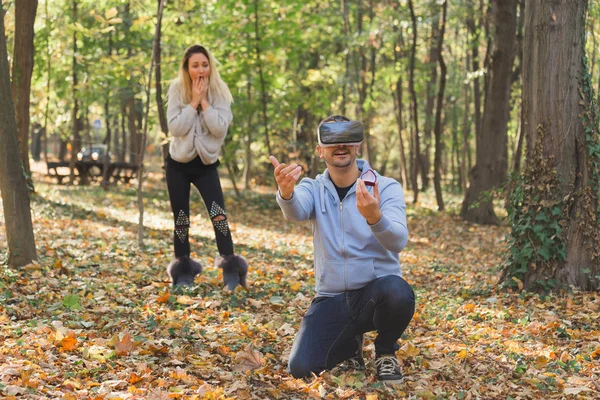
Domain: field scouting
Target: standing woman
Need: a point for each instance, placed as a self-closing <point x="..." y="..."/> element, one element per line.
<point x="199" y="115"/>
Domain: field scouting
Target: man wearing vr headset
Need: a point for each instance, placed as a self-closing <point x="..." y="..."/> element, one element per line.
<point x="358" y="232"/>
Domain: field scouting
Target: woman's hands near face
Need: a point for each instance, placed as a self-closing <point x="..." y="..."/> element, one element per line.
<point x="199" y="92"/>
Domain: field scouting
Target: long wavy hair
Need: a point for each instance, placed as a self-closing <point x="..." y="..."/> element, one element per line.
<point x="217" y="88"/>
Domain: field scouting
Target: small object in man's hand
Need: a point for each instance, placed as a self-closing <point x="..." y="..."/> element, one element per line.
<point x="369" y="178"/>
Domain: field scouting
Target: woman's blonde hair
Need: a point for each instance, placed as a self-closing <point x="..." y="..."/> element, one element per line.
<point x="217" y="88"/>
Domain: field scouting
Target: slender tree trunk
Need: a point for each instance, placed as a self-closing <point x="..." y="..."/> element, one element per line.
<point x="75" y="117"/>
<point x="123" y="152"/>
<point x="362" y="85"/>
<point x="416" y="150"/>
<point x="48" y="81"/>
<point x="478" y="205"/>
<point x="560" y="194"/>
<point x="13" y="185"/>
<point x="438" y="115"/>
<point x="263" y="91"/>
<point x="22" y="67"/>
<point x="344" y="8"/>
<point x="162" y="118"/>
<point x="398" y="97"/>
<point x="425" y="157"/>
<point x="140" y="171"/>
<point x="108" y="139"/>
<point x="474" y="27"/>
<point x="247" y="177"/>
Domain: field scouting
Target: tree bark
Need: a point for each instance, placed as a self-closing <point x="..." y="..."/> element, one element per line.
<point x="425" y="157"/>
<point x="144" y="133"/>
<point x="416" y="150"/>
<point x="75" y="118"/>
<point x="162" y="117"/>
<point x="562" y="177"/>
<point x="22" y="68"/>
<point x="438" y="115"/>
<point x="13" y="185"/>
<point x="491" y="164"/>
<point x="263" y="90"/>
<point x="474" y="27"/>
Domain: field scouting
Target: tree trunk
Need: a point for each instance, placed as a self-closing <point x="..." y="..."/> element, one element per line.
<point x="556" y="233"/>
<point x="22" y="68"/>
<point x="108" y="139"/>
<point x="438" y="115"/>
<point x="263" y="90"/>
<point x="490" y="167"/>
<point x="144" y="124"/>
<point x="344" y="9"/>
<point x="162" y="117"/>
<point x="474" y="27"/>
<point x="75" y="118"/>
<point x="416" y="150"/>
<point x="13" y="185"/>
<point x="425" y="157"/>
<point x="466" y="129"/>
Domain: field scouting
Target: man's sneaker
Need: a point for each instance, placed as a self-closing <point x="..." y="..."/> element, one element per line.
<point x="388" y="369"/>
<point x="357" y="362"/>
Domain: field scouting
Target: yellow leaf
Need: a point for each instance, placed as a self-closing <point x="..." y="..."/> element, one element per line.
<point x="519" y="282"/>
<point x="296" y="286"/>
<point x="409" y="350"/>
<point x="248" y="359"/>
<point x="111" y="13"/>
<point x="462" y="354"/>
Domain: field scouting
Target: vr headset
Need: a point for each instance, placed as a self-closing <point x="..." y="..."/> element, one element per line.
<point x="339" y="130"/>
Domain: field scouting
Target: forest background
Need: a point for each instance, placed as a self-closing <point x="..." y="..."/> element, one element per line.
<point x="485" y="111"/>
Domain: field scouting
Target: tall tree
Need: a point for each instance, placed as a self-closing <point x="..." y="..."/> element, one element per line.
<point x="22" y="68"/>
<point x="491" y="164"/>
<point x="555" y="237"/>
<point x="13" y="186"/>
<point x="416" y="148"/>
<point x="162" y="117"/>
<point x="437" y="165"/>
<point x="432" y="64"/>
<point x="75" y="117"/>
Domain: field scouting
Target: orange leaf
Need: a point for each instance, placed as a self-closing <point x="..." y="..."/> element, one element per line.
<point x="470" y="307"/>
<point x="69" y="343"/>
<point x="134" y="378"/>
<point x="124" y="346"/>
<point x="164" y="298"/>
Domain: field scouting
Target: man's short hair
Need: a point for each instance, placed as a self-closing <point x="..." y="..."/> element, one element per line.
<point x="338" y="130"/>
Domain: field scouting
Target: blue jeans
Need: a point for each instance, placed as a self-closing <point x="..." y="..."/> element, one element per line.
<point x="327" y="334"/>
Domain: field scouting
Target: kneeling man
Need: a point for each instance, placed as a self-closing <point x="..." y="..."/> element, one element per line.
<point x="359" y="227"/>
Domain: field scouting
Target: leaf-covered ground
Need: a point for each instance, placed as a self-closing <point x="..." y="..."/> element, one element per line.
<point x="97" y="319"/>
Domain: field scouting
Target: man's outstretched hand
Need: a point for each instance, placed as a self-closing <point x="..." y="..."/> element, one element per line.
<point x="367" y="203"/>
<point x="286" y="177"/>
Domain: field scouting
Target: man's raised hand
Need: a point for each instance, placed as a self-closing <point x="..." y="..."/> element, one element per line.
<point x="367" y="203"/>
<point x="286" y="177"/>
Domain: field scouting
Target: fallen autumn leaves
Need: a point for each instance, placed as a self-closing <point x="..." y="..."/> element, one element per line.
<point x="96" y="317"/>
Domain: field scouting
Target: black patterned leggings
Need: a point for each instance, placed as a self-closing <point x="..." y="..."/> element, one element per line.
<point x="206" y="180"/>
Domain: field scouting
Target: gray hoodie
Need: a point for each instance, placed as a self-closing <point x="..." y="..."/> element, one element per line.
<point x="196" y="133"/>
<point x="348" y="252"/>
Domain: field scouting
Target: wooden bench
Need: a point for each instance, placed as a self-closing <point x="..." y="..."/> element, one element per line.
<point x="56" y="169"/>
<point x="87" y="171"/>
<point x="124" y="172"/>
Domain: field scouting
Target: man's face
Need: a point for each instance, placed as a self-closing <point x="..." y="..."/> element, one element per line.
<point x="340" y="156"/>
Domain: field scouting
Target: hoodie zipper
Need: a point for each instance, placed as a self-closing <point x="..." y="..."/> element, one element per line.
<point x="343" y="244"/>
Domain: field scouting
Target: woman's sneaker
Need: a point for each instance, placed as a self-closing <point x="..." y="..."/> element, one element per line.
<point x="388" y="369"/>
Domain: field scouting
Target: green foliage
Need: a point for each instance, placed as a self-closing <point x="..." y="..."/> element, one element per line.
<point x="536" y="238"/>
